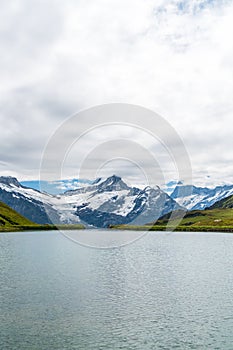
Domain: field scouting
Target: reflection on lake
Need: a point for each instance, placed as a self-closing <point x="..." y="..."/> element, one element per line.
<point x="164" y="291"/>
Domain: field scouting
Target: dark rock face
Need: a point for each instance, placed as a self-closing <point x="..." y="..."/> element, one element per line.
<point x="157" y="203"/>
<point x="99" y="218"/>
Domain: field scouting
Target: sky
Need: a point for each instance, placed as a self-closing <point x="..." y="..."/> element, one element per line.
<point x="173" y="57"/>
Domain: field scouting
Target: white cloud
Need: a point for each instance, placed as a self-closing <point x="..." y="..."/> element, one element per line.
<point x="174" y="57"/>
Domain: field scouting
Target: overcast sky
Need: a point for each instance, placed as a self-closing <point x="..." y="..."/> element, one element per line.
<point x="173" y="57"/>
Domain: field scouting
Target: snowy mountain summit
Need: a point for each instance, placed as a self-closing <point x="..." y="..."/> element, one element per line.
<point x="112" y="183"/>
<point x="111" y="201"/>
<point x="103" y="203"/>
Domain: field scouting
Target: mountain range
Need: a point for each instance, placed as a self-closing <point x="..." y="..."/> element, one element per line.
<point x="200" y="198"/>
<point x="105" y="202"/>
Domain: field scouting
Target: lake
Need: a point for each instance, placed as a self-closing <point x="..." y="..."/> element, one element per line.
<point x="164" y="291"/>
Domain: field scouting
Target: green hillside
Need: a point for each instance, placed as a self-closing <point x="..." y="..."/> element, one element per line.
<point x="209" y="218"/>
<point x="197" y="220"/>
<point x="10" y="219"/>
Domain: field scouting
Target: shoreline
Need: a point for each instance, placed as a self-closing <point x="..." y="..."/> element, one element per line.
<point x="117" y="227"/>
<point x="23" y="228"/>
<point x="176" y="229"/>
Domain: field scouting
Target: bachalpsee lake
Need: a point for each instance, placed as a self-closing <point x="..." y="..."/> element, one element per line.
<point x="164" y="291"/>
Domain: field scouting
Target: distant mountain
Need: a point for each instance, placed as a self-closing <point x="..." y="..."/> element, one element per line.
<point x="195" y="198"/>
<point x="102" y="203"/>
<point x="10" y="218"/>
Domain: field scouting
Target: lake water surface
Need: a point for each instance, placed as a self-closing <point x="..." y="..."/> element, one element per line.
<point x="165" y="291"/>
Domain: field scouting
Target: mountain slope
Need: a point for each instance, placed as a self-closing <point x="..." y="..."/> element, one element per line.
<point x="9" y="217"/>
<point x="195" y="198"/>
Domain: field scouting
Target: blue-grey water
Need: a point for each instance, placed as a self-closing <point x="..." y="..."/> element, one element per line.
<point x="165" y="291"/>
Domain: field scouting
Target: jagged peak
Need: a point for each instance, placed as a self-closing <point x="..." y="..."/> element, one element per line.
<point x="96" y="181"/>
<point x="113" y="178"/>
<point x="9" y="180"/>
<point x="113" y="182"/>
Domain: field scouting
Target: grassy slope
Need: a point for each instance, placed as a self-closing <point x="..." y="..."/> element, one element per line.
<point x="197" y="220"/>
<point x="10" y="220"/>
<point x="204" y="220"/>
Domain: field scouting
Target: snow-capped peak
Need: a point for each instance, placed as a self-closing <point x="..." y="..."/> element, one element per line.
<point x="112" y="183"/>
<point x="9" y="180"/>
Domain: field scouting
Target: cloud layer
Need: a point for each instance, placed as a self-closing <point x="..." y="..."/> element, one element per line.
<point x="174" y="57"/>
